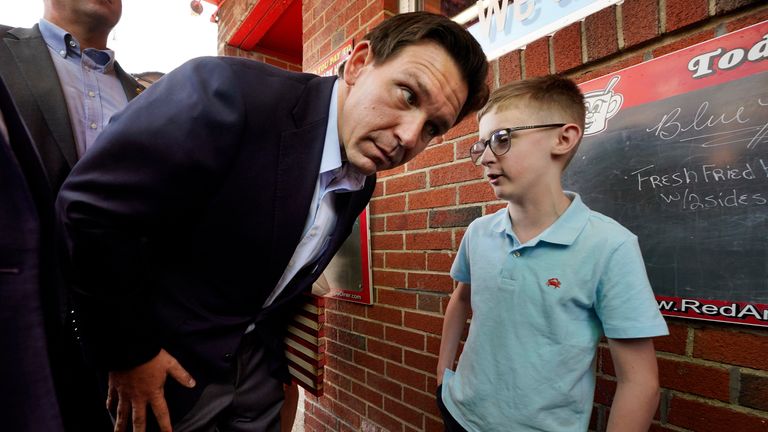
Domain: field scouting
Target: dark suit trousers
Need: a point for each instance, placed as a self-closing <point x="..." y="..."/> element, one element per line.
<point x="249" y="402"/>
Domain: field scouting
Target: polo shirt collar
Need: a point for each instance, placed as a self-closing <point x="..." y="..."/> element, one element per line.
<point x="565" y="229"/>
<point x="568" y="226"/>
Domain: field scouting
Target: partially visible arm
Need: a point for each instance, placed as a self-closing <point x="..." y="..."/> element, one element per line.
<point x="453" y="326"/>
<point x="637" y="391"/>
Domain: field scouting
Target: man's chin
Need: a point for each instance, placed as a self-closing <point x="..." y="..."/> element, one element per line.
<point x="364" y="166"/>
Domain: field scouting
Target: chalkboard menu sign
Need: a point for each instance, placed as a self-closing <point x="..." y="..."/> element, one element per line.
<point x="676" y="149"/>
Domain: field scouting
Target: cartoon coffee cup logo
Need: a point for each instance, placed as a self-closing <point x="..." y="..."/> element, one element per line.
<point x="601" y="105"/>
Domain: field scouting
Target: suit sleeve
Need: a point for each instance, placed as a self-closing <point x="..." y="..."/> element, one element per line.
<point x="154" y="167"/>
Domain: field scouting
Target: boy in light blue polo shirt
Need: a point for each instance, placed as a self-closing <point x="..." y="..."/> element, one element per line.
<point x="544" y="278"/>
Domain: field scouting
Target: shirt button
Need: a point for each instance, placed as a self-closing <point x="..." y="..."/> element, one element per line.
<point x="63" y="53"/>
<point x="72" y="43"/>
<point x="516" y="254"/>
<point x="91" y="93"/>
<point x="93" y="125"/>
<point x="228" y="357"/>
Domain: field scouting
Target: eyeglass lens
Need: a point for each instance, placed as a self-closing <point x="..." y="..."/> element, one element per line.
<point x="499" y="142"/>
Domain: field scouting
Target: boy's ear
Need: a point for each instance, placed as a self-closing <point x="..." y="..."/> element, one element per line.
<point x="567" y="139"/>
<point x="360" y="57"/>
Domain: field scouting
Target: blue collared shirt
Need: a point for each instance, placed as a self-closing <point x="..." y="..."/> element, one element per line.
<point x="91" y="87"/>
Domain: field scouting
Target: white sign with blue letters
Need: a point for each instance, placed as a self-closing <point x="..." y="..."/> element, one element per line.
<point x="506" y="25"/>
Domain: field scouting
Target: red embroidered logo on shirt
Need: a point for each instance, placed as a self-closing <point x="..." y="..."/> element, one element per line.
<point x="553" y="282"/>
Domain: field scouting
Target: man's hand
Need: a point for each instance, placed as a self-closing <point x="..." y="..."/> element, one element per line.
<point x="142" y="385"/>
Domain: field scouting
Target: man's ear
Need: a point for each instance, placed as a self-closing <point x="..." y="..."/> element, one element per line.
<point x="567" y="139"/>
<point x="360" y="57"/>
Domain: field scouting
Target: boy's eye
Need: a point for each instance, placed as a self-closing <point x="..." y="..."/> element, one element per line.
<point x="501" y="137"/>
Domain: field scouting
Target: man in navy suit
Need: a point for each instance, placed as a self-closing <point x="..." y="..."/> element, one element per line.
<point x="221" y="193"/>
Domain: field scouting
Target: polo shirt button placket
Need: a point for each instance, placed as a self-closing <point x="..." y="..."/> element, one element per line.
<point x="509" y="268"/>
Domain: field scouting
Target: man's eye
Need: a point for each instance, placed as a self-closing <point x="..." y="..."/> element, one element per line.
<point x="410" y="98"/>
<point x="431" y="130"/>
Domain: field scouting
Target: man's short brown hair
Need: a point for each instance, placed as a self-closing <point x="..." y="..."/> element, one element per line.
<point x="400" y="31"/>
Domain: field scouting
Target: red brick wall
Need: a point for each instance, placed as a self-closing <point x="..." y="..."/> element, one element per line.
<point x="330" y="23"/>
<point x="382" y="358"/>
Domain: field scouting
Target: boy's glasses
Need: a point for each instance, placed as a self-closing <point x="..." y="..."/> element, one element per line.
<point x="500" y="140"/>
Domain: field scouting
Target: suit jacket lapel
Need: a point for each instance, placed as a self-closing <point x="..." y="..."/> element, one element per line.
<point x="36" y="66"/>
<point x="130" y="86"/>
<point x="296" y="178"/>
<point x="298" y="165"/>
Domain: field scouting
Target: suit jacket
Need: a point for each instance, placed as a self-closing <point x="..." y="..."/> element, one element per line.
<point x="186" y="211"/>
<point x="26" y="381"/>
<point x="32" y="82"/>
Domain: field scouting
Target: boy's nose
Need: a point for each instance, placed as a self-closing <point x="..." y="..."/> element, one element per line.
<point x="487" y="157"/>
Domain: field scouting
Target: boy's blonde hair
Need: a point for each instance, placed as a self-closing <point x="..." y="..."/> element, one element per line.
<point x="553" y="95"/>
